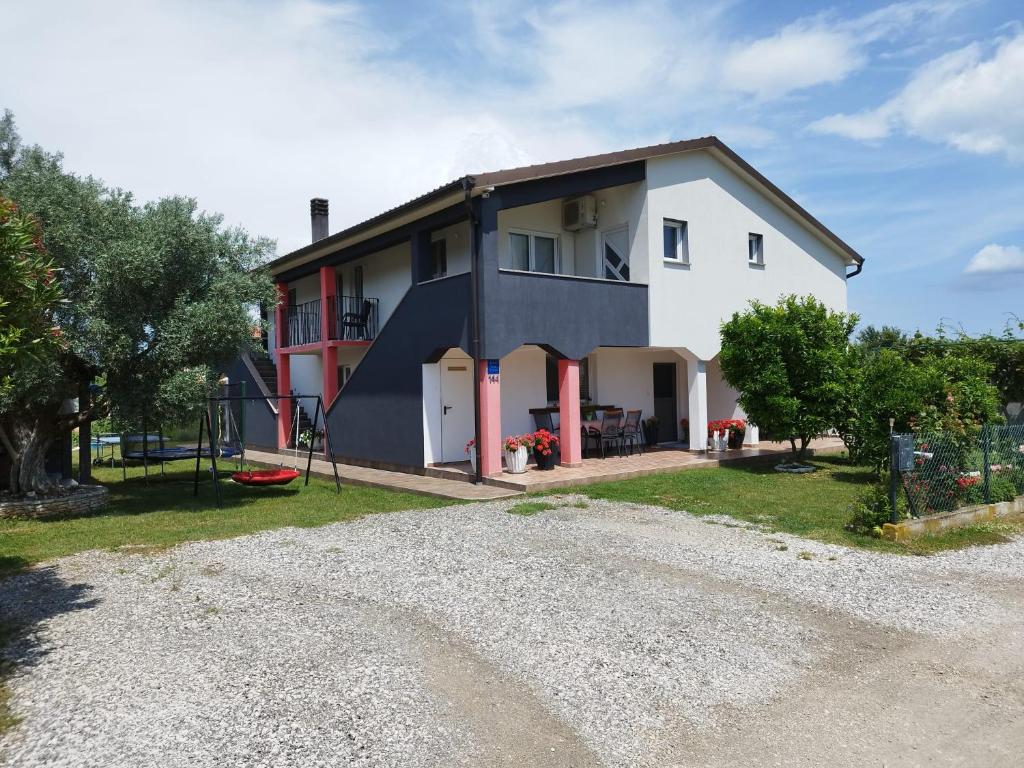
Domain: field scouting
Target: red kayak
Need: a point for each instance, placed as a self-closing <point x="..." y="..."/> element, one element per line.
<point x="266" y="477"/>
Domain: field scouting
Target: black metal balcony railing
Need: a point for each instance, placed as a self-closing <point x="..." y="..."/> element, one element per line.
<point x="355" y="318"/>
<point x="304" y="323"/>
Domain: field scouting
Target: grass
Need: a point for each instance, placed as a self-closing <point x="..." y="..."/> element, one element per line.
<point x="527" y="508"/>
<point x="150" y="517"/>
<point x="814" y="505"/>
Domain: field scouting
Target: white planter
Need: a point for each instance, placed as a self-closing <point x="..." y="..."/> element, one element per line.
<point x="515" y="461"/>
<point x="472" y="459"/>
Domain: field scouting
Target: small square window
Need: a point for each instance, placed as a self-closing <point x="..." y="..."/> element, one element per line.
<point x="676" y="247"/>
<point x="755" y="249"/>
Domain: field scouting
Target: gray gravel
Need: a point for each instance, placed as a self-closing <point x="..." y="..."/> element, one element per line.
<point x="459" y="636"/>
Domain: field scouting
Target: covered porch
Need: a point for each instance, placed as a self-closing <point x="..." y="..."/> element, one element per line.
<point x="672" y="393"/>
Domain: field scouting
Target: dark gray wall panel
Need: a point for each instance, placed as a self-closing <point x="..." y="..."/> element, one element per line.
<point x="571" y="315"/>
<point x="260" y="419"/>
<point x="379" y="414"/>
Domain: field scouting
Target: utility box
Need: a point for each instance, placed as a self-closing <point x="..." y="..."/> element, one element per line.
<point x="901" y="453"/>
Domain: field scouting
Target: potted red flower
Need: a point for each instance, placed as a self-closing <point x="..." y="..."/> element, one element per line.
<point x="544" y="445"/>
<point x="735" y="429"/>
<point x="471" y="452"/>
<point x="517" y="451"/>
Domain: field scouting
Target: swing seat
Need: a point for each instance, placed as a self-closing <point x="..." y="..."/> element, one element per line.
<point x="266" y="477"/>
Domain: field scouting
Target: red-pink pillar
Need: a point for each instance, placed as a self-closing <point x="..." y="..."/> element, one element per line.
<point x="328" y="354"/>
<point x="284" y="373"/>
<point x="489" y="384"/>
<point x="570" y="440"/>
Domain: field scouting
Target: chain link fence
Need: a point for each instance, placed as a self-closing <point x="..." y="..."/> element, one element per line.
<point x="939" y="472"/>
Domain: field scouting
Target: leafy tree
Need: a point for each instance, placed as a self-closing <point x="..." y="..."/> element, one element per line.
<point x="792" y="366"/>
<point x="30" y="294"/>
<point x="872" y="339"/>
<point x="158" y="297"/>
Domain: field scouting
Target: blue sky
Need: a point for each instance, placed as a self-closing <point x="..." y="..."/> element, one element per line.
<point x="900" y="125"/>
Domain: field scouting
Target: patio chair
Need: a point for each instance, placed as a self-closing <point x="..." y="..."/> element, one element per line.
<point x="632" y="432"/>
<point x="359" y="322"/>
<point x="610" y="432"/>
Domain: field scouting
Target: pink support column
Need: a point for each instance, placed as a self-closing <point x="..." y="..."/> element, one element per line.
<point x="284" y="373"/>
<point x="489" y="384"/>
<point x="328" y="354"/>
<point x="570" y="440"/>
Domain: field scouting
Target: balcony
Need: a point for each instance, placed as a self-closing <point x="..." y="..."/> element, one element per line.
<point x="354" y="318"/>
<point x="304" y="324"/>
<point x="351" y="319"/>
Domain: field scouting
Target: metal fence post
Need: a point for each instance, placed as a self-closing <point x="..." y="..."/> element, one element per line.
<point x="986" y="443"/>
<point x="894" y="478"/>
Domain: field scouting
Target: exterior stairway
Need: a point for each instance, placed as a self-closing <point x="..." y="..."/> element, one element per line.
<point x="267" y="370"/>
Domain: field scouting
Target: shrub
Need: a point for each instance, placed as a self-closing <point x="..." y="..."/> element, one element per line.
<point x="1001" y="487"/>
<point x="872" y="510"/>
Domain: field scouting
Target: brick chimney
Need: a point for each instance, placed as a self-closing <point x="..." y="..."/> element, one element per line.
<point x="318" y="218"/>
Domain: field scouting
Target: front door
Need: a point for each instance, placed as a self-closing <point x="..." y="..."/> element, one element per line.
<point x="616" y="254"/>
<point x="456" y="408"/>
<point x="665" y="401"/>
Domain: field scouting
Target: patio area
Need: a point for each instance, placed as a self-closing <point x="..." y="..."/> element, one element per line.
<point x="665" y="458"/>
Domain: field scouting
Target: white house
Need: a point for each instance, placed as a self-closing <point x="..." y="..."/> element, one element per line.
<point x="598" y="281"/>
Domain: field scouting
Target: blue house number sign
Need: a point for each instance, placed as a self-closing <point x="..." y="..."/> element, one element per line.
<point x="492" y="370"/>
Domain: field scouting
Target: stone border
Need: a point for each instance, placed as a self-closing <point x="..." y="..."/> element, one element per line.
<point x="84" y="500"/>
<point x="979" y="513"/>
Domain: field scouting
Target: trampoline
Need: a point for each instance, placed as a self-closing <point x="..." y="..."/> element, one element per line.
<point x="172" y="453"/>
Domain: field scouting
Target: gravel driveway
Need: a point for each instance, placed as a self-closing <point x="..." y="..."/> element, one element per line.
<point x="596" y="634"/>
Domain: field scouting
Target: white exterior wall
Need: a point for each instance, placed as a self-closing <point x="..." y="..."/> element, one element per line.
<point x="523" y="386"/>
<point x="387" y="275"/>
<point x="687" y="305"/>
<point x="457" y="247"/>
<point x="581" y="251"/>
<point x="625" y="377"/>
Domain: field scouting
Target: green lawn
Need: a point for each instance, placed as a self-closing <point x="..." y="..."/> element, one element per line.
<point x="813" y="505"/>
<point x="164" y="512"/>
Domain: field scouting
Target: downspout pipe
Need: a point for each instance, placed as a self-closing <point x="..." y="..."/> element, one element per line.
<point x="856" y="271"/>
<point x="474" y="311"/>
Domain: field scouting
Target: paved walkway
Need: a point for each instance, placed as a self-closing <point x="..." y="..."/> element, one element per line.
<point x="626" y="467"/>
<point x="452" y="481"/>
<point x="441" y="487"/>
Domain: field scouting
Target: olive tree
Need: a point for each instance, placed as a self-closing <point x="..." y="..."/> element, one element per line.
<point x="157" y="298"/>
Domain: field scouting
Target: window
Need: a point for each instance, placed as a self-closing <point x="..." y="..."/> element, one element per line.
<point x="533" y="252"/>
<point x="551" y="379"/>
<point x="439" y="258"/>
<point x="676" y="246"/>
<point x="293" y="297"/>
<point x="755" y="249"/>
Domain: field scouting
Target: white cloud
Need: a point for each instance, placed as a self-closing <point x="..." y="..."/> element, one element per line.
<point x="996" y="259"/>
<point x="964" y="99"/>
<point x="795" y="58"/>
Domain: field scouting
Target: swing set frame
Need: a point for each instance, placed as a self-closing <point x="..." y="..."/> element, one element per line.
<point x="206" y="420"/>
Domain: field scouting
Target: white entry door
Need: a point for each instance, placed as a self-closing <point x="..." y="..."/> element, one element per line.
<point x="615" y="253"/>
<point x="456" y="408"/>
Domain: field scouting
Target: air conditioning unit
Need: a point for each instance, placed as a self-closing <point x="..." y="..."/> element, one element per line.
<point x="579" y="213"/>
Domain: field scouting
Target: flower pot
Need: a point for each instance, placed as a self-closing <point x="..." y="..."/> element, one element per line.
<point x="736" y="439"/>
<point x="544" y="462"/>
<point x="650" y="435"/>
<point x="472" y="459"/>
<point x="515" y="461"/>
<point x="318" y="444"/>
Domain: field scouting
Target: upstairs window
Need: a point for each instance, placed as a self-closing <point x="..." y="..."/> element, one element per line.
<point x="439" y="258"/>
<point x="755" y="250"/>
<point x="533" y="252"/>
<point x="676" y="248"/>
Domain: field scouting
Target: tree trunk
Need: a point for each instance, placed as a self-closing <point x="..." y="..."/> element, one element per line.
<point x="804" y="442"/>
<point x="792" y="447"/>
<point x="32" y="438"/>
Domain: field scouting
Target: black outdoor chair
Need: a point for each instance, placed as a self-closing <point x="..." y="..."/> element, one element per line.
<point x="610" y="432"/>
<point x="632" y="432"/>
<point x="359" y="322"/>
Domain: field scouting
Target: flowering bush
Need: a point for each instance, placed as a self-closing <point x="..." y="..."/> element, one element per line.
<point x="735" y="426"/>
<point x="470" y="445"/>
<point x="544" y="442"/>
<point x="512" y="443"/>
